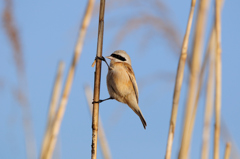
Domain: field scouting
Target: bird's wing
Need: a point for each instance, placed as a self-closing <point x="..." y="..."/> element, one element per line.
<point x="132" y="78"/>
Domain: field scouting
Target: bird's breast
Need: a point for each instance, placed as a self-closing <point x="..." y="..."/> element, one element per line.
<point x="118" y="82"/>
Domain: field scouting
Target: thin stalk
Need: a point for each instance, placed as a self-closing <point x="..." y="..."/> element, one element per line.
<point x="102" y="137"/>
<point x="227" y="151"/>
<point x="21" y="92"/>
<point x="194" y="73"/>
<point x="97" y="81"/>
<point x="201" y="79"/>
<point x="218" y="79"/>
<point x="53" y="106"/>
<point x="209" y="98"/>
<point x="63" y="101"/>
<point x="178" y="83"/>
<point x="227" y="137"/>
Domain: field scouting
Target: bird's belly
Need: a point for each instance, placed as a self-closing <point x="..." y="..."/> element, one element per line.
<point x="118" y="84"/>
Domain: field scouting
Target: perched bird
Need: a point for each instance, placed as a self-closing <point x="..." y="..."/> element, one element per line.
<point x="121" y="82"/>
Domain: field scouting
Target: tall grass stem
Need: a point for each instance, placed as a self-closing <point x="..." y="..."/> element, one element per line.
<point x="227" y="151"/>
<point x="53" y="106"/>
<point x="194" y="74"/>
<point x="97" y="81"/>
<point x="63" y="101"/>
<point x="102" y="137"/>
<point x="218" y="5"/>
<point x="209" y="97"/>
<point x="178" y="82"/>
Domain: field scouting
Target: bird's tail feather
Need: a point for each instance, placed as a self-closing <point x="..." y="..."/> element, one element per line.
<point x="139" y="113"/>
<point x="134" y="106"/>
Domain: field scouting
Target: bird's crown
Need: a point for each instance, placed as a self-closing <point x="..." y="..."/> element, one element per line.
<point x="121" y="55"/>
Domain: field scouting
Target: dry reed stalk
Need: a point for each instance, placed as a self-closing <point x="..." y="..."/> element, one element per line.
<point x="201" y="78"/>
<point x="227" y="137"/>
<point x="30" y="142"/>
<point x="102" y="137"/>
<point x="218" y="79"/>
<point x="194" y="73"/>
<point x="20" y="93"/>
<point x="53" y="106"/>
<point x="199" y="88"/>
<point x="178" y="83"/>
<point x="63" y="101"/>
<point x="97" y="80"/>
<point x="12" y="32"/>
<point x="227" y="150"/>
<point x="209" y="98"/>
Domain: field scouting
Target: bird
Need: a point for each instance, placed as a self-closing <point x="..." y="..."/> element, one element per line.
<point x="121" y="82"/>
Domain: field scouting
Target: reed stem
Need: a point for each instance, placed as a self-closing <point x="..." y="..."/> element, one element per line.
<point x="194" y="74"/>
<point x="53" y="106"/>
<point x="102" y="137"/>
<point x="178" y="83"/>
<point x="218" y="79"/>
<point x="97" y="81"/>
<point x="227" y="151"/>
<point x="63" y="101"/>
<point x="209" y="97"/>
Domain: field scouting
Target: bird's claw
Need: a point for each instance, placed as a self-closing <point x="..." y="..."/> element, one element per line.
<point x="100" y="58"/>
<point x="97" y="101"/>
<point x="101" y="100"/>
<point x="103" y="59"/>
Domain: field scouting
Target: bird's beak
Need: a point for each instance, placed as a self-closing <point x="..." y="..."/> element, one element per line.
<point x="109" y="57"/>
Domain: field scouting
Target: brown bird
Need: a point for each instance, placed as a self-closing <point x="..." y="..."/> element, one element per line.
<point x="121" y="82"/>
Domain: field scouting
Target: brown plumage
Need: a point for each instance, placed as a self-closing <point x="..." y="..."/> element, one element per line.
<point x="121" y="82"/>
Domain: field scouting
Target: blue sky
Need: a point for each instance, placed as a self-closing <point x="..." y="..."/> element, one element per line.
<point x="48" y="31"/>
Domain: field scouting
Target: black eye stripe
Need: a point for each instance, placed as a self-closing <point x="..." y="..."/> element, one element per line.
<point x="119" y="57"/>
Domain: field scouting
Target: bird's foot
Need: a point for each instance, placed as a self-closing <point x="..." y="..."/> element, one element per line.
<point x="100" y="101"/>
<point x="100" y="58"/>
<point x="103" y="59"/>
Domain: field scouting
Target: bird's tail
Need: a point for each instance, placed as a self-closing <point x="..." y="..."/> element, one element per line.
<point x="134" y="106"/>
<point x="139" y="113"/>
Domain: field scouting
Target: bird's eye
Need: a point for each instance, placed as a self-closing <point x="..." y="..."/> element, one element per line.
<point x="119" y="57"/>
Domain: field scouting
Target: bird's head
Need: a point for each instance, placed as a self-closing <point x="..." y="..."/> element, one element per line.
<point x="120" y="56"/>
